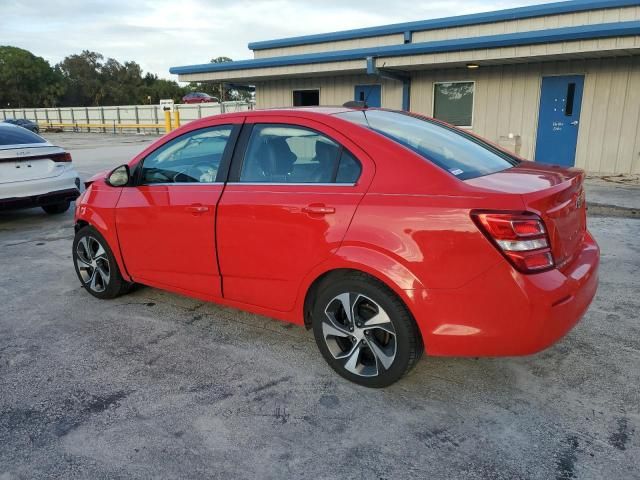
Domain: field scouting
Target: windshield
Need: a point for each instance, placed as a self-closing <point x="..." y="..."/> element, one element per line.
<point x="459" y="153"/>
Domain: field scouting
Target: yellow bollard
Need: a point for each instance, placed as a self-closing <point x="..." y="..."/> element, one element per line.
<point x="167" y="121"/>
<point x="176" y="119"/>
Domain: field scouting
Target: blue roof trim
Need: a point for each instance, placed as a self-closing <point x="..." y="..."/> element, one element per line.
<point x="602" y="30"/>
<point x="462" y="20"/>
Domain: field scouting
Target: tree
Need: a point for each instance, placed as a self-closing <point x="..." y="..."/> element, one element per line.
<point x="82" y="79"/>
<point x="158" y="88"/>
<point x="27" y="80"/>
<point x="216" y="89"/>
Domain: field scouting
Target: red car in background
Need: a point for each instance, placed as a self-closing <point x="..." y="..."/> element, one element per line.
<point x="387" y="233"/>
<point x="199" y="97"/>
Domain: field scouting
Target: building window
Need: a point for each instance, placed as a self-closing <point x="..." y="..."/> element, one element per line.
<point x="306" y="98"/>
<point x="453" y="103"/>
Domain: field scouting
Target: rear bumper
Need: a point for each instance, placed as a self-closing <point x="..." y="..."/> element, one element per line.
<point x="44" y="191"/>
<point x="504" y="313"/>
<point x="39" y="200"/>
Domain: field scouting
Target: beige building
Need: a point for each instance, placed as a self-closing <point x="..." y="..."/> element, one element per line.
<point x="558" y="82"/>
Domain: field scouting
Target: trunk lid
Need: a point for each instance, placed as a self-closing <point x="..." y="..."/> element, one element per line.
<point x="21" y="164"/>
<point x="556" y="194"/>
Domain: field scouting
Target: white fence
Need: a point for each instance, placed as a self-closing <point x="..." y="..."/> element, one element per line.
<point x="128" y="118"/>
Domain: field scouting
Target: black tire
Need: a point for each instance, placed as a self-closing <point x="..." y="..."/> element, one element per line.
<point x="98" y="272"/>
<point x="56" y="208"/>
<point x="368" y="298"/>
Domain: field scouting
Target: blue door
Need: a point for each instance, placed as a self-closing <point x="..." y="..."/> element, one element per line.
<point x="369" y="94"/>
<point x="560" y="102"/>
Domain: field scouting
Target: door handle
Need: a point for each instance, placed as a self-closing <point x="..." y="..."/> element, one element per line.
<point x="318" y="209"/>
<point x="195" y="209"/>
<point x="574" y="123"/>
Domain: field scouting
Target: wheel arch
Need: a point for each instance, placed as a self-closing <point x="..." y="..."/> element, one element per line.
<point x="91" y="218"/>
<point x="377" y="265"/>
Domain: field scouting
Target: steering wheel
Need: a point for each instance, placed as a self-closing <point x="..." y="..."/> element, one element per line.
<point x="194" y="172"/>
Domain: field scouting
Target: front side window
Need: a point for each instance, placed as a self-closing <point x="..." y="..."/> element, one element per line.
<point x="191" y="158"/>
<point x="453" y="103"/>
<point x="290" y="154"/>
<point x="456" y="151"/>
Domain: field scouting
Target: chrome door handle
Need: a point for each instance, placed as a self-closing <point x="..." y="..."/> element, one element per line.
<point x="318" y="209"/>
<point x="197" y="209"/>
<point x="574" y="123"/>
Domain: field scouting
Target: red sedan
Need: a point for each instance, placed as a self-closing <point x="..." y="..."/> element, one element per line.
<point x="199" y="97"/>
<point x="387" y="233"/>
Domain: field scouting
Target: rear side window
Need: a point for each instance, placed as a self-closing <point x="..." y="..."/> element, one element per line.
<point x="461" y="154"/>
<point x="279" y="153"/>
<point x="18" y="136"/>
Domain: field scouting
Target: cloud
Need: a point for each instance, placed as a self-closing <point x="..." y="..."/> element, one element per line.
<point x="159" y="34"/>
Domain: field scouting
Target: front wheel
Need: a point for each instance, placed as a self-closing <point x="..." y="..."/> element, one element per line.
<point x="364" y="331"/>
<point x="96" y="266"/>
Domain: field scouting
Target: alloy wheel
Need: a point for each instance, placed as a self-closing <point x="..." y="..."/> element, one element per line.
<point x="359" y="334"/>
<point x="93" y="264"/>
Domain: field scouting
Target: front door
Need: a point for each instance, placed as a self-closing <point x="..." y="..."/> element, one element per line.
<point x="166" y="222"/>
<point x="559" y="119"/>
<point x="370" y="94"/>
<point x="286" y="208"/>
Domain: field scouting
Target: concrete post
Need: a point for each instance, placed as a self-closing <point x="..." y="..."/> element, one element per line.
<point x="137" y="118"/>
<point x="155" y="118"/>
<point x="104" y="130"/>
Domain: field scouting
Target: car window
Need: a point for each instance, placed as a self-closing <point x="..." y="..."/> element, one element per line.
<point x="191" y="158"/>
<point x="18" y="136"/>
<point x="460" y="153"/>
<point x="291" y="154"/>
<point x="349" y="168"/>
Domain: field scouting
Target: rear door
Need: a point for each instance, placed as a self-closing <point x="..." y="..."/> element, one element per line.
<point x="166" y="222"/>
<point x="293" y="189"/>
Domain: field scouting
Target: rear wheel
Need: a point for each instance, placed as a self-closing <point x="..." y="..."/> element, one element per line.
<point x="96" y="266"/>
<point x="56" y="208"/>
<point x="364" y="331"/>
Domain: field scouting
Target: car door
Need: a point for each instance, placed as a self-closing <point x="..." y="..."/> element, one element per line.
<point x="293" y="188"/>
<point x="166" y="221"/>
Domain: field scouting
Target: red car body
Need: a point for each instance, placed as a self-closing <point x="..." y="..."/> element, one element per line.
<point x="406" y="222"/>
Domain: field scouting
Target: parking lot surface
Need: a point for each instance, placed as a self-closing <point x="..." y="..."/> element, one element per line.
<point x="155" y="385"/>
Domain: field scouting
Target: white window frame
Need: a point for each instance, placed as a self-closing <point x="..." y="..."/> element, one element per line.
<point x="294" y="90"/>
<point x="473" y="103"/>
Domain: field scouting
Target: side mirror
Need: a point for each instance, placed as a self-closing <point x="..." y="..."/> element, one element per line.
<point x="119" y="176"/>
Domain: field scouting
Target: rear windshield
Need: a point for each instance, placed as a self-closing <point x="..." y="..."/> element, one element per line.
<point x="18" y="136"/>
<point x="457" y="152"/>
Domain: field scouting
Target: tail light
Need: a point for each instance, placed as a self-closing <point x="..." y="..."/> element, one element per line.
<point x="61" y="157"/>
<point x="521" y="238"/>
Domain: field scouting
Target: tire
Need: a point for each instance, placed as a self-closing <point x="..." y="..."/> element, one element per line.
<point x="56" y="208"/>
<point x="96" y="266"/>
<point x="379" y="344"/>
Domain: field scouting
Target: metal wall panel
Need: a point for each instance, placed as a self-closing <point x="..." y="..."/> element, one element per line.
<point x="507" y="100"/>
<point x="334" y="90"/>
<point x="510" y="26"/>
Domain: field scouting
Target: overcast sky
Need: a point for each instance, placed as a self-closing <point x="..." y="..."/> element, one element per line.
<point x="159" y="34"/>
